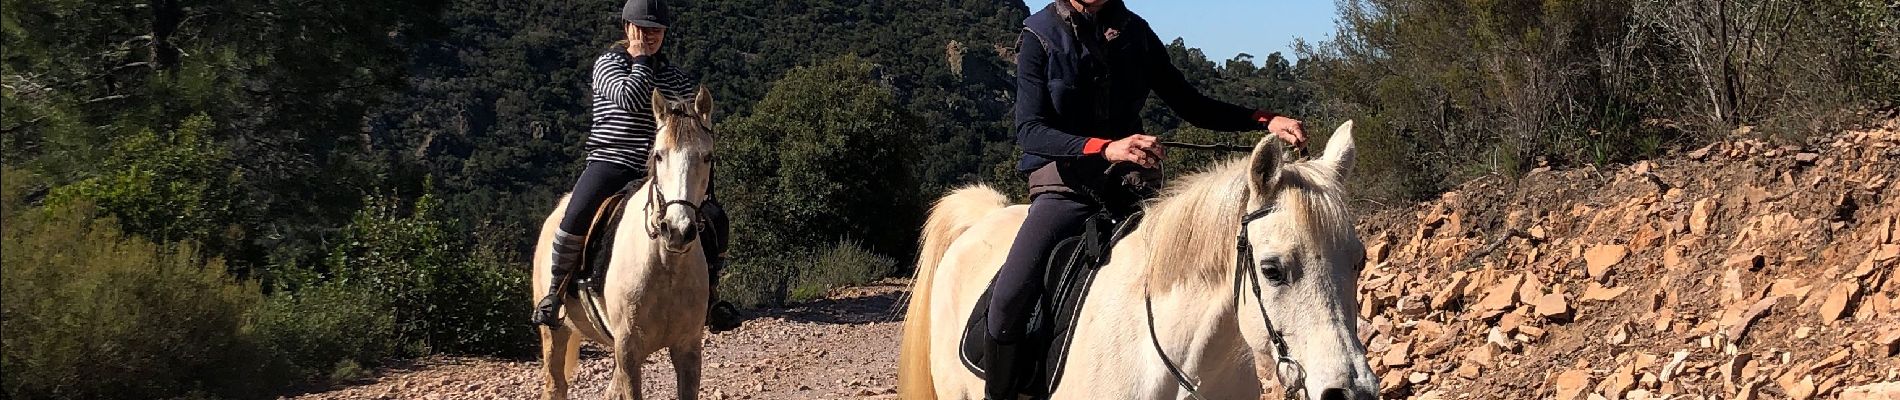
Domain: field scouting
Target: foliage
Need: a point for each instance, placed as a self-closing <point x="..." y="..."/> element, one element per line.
<point x="1449" y="89"/>
<point x="172" y="187"/>
<point x="840" y="265"/>
<point x="329" y="328"/>
<point x="444" y="292"/>
<point x="94" y="313"/>
<point x="823" y="156"/>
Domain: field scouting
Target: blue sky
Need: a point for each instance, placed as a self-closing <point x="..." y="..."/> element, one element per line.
<point x="1223" y="28"/>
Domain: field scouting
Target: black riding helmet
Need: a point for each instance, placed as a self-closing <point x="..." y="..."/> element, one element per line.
<point x="646" y="13"/>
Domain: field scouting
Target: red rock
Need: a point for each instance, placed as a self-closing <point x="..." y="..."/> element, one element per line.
<point x="1877" y="391"/>
<point x="1553" y="306"/>
<point x="1571" y="385"/>
<point x="1699" y="216"/>
<point x="1452" y="291"/>
<point x="1748" y="261"/>
<point x="1673" y="257"/>
<point x="1838" y="298"/>
<point x="1599" y="259"/>
<point x="1801" y="390"/>
<point x="1740" y="327"/>
<point x="1890" y="342"/>
<point x="1503" y="295"/>
<point x="1596" y="292"/>
<point x="1399" y="355"/>
<point x="1831" y="361"/>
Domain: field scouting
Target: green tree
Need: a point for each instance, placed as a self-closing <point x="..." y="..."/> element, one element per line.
<point x="823" y="159"/>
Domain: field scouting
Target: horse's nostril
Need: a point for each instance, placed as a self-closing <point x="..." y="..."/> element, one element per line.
<point x="1335" y="394"/>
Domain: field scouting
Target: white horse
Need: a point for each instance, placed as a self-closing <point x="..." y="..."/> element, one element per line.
<point x="655" y="292"/>
<point x="1209" y="317"/>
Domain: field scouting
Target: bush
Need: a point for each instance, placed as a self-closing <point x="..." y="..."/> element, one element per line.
<point x="92" y="313"/>
<point x="844" y="264"/>
<point x="326" y="329"/>
<point x="441" y="300"/>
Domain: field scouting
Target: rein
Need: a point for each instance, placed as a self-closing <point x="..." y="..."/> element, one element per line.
<point x="1291" y="374"/>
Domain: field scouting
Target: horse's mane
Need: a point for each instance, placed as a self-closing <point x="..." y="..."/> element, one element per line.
<point x="1191" y="228"/>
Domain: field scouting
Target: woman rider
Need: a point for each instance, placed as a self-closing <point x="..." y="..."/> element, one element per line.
<point x="617" y="148"/>
<point x="1084" y="71"/>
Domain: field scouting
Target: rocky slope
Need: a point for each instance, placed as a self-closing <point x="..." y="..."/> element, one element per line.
<point x="1739" y="270"/>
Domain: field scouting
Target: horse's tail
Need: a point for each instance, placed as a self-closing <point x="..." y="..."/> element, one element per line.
<point x="953" y="214"/>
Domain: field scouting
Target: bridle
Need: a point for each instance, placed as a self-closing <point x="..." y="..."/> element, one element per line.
<point x="654" y="196"/>
<point x="1291" y="374"/>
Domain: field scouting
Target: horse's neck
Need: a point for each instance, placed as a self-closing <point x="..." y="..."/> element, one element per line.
<point x="1195" y="328"/>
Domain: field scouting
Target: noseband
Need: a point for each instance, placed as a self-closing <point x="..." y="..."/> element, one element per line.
<point x="655" y="197"/>
<point x="1291" y="374"/>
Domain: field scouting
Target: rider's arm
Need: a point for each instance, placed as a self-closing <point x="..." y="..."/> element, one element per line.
<point x="627" y="81"/>
<point x="1034" y="107"/>
<point x="1187" y="102"/>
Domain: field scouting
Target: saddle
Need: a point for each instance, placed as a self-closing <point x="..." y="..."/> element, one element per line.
<point x="1072" y="267"/>
<point x="598" y="242"/>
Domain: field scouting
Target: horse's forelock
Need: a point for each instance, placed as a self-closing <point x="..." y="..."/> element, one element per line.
<point x="686" y="124"/>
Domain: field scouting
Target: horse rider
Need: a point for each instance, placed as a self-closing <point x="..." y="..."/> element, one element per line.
<point x="617" y="146"/>
<point x="1084" y="71"/>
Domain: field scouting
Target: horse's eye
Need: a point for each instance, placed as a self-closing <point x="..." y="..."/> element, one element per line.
<point x="659" y="157"/>
<point x="1273" y="271"/>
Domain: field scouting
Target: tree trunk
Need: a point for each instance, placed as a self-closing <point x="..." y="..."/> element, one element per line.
<point x="166" y="15"/>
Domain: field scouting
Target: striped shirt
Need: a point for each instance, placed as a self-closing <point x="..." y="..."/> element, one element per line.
<point x="623" y="128"/>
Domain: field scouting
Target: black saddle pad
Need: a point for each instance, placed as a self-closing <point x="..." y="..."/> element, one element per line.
<point x="1072" y="267"/>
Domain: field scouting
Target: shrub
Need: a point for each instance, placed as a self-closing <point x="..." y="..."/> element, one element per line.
<point x="91" y="312"/>
<point x="441" y="300"/>
<point x="324" y="329"/>
<point x="843" y="264"/>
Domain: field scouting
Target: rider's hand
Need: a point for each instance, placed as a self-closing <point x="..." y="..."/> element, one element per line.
<point x="636" y="44"/>
<point x="1140" y="149"/>
<point x="1291" y="130"/>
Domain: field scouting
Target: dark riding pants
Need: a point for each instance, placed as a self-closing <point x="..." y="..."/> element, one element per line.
<point x="603" y="179"/>
<point x="599" y="180"/>
<point x="1052" y="217"/>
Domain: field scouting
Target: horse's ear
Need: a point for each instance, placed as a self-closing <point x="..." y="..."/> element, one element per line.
<point x="1263" y="172"/>
<point x="702" y="104"/>
<point x="659" y="106"/>
<point x="1340" y="149"/>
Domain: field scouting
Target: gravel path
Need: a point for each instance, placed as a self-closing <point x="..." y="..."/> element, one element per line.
<point x="843" y="347"/>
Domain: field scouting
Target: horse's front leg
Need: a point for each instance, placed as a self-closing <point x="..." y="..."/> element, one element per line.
<point x="627" y="357"/>
<point x="559" y="354"/>
<point x="686" y="365"/>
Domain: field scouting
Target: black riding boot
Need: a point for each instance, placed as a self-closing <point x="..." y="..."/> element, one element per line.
<point x="721" y="316"/>
<point x="1002" y="370"/>
<point x="567" y="255"/>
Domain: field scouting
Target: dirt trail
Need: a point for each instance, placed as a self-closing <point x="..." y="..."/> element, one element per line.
<point x="1742" y="270"/>
<point x="843" y="347"/>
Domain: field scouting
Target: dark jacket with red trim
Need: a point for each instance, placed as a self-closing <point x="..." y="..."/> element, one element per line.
<point x="1076" y="92"/>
